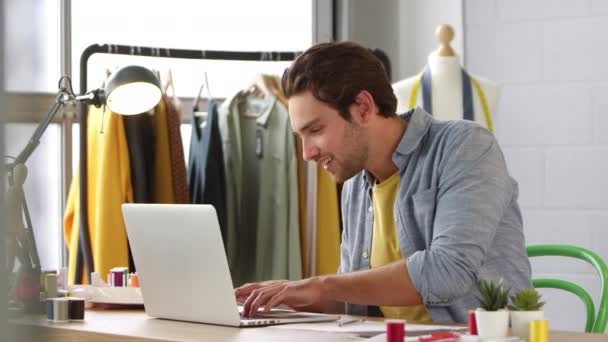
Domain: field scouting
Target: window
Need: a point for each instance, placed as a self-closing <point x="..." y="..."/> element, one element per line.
<point x="42" y="187"/>
<point x="232" y="25"/>
<point x="33" y="65"/>
<point x="31" y="37"/>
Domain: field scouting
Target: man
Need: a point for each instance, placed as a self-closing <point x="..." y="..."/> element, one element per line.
<point x="428" y="206"/>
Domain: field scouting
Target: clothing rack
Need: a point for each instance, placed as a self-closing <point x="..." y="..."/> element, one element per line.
<point x="84" y="242"/>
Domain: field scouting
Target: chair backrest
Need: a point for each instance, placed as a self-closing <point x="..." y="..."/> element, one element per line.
<point x="595" y="323"/>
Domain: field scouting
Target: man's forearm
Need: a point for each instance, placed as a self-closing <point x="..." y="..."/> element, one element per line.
<point x="389" y="285"/>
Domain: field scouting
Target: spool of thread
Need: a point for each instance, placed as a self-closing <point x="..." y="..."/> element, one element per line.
<point x="134" y="280"/>
<point x="64" y="309"/>
<point x="57" y="309"/>
<point x="61" y="310"/>
<point x="395" y="330"/>
<point x="50" y="285"/>
<point x="117" y="278"/>
<point x="472" y="323"/>
<point x="50" y="313"/>
<point x="76" y="308"/>
<point x="539" y="331"/>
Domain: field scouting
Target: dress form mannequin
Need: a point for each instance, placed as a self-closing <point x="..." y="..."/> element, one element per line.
<point x="446" y="85"/>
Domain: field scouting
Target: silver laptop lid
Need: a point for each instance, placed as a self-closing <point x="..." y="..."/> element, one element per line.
<point x="181" y="262"/>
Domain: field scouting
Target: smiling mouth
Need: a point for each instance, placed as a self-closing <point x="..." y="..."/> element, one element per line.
<point x="326" y="162"/>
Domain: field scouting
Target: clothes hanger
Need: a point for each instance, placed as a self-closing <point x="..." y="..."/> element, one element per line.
<point x="170" y="83"/>
<point x="258" y="94"/>
<point x="255" y="90"/>
<point x="269" y="84"/>
<point x="259" y="86"/>
<point x="259" y="89"/>
<point x="157" y="73"/>
<point x="166" y="86"/>
<point x="209" y="97"/>
<point x="196" y="112"/>
<point x="197" y="99"/>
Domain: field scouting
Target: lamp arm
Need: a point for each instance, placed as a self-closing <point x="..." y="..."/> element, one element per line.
<point x="17" y="172"/>
<point x="95" y="97"/>
<point x="61" y="98"/>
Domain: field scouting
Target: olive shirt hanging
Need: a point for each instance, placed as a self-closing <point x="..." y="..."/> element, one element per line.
<point x="261" y="189"/>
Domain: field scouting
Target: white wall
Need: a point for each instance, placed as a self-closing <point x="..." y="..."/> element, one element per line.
<point x="418" y="36"/>
<point x="404" y="29"/>
<point x="550" y="59"/>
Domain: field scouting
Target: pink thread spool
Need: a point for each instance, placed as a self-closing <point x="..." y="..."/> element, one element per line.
<point x="472" y="323"/>
<point x="395" y="330"/>
<point x="117" y="279"/>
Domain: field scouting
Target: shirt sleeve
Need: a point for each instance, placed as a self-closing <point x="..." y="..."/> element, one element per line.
<point x="472" y="193"/>
<point x="345" y="253"/>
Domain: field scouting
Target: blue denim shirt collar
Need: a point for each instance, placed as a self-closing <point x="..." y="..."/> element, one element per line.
<point x="418" y="123"/>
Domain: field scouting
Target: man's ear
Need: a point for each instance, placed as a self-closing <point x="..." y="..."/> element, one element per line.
<point x="364" y="107"/>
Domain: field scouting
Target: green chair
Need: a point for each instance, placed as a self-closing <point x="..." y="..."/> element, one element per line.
<point x="595" y="323"/>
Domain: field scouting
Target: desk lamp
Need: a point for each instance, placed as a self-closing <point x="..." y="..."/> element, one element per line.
<point x="129" y="90"/>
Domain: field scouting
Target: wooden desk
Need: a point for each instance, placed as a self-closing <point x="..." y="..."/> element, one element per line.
<point x="134" y="325"/>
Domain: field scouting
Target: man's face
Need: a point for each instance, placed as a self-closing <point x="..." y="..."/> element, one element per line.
<point x="338" y="145"/>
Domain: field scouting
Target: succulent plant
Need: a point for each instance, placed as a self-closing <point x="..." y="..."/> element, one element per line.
<point x="493" y="296"/>
<point x="526" y="300"/>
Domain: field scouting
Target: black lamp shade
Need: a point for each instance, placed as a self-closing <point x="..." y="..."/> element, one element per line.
<point x="132" y="90"/>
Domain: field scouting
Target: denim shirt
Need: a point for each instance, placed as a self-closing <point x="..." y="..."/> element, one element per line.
<point x="456" y="216"/>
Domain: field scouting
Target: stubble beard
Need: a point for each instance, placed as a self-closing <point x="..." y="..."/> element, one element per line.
<point x="355" y="155"/>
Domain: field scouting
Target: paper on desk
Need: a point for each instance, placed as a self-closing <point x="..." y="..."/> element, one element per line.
<point x="367" y="328"/>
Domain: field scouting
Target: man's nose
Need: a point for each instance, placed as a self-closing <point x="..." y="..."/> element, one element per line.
<point x="309" y="151"/>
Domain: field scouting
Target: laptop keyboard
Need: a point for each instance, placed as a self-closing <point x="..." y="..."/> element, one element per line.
<point x="271" y="314"/>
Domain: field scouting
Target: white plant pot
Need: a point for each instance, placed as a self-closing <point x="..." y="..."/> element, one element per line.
<point x="520" y="322"/>
<point x="492" y="324"/>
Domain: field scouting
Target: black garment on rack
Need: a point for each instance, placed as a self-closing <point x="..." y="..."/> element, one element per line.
<point x="139" y="131"/>
<point x="206" y="165"/>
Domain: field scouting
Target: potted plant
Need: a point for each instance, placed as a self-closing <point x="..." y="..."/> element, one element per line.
<point x="492" y="316"/>
<point x="525" y="307"/>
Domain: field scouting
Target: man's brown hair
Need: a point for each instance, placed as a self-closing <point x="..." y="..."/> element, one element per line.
<point x="336" y="73"/>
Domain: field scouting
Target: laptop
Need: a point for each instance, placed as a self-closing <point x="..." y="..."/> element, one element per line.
<point x="183" y="269"/>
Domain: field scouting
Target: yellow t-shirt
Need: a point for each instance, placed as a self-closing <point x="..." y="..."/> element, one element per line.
<point x="385" y="247"/>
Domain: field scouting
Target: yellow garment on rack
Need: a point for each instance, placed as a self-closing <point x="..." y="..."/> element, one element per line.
<point x="109" y="185"/>
<point x="327" y="249"/>
<point x="327" y="244"/>
<point x="301" y="196"/>
<point x="163" y="181"/>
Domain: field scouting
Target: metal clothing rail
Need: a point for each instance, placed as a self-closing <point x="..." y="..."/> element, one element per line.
<point x="84" y="243"/>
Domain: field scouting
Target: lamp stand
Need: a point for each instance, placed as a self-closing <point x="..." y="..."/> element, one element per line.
<point x="25" y="288"/>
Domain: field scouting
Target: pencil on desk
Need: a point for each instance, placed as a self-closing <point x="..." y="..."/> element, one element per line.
<point x="352" y="321"/>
